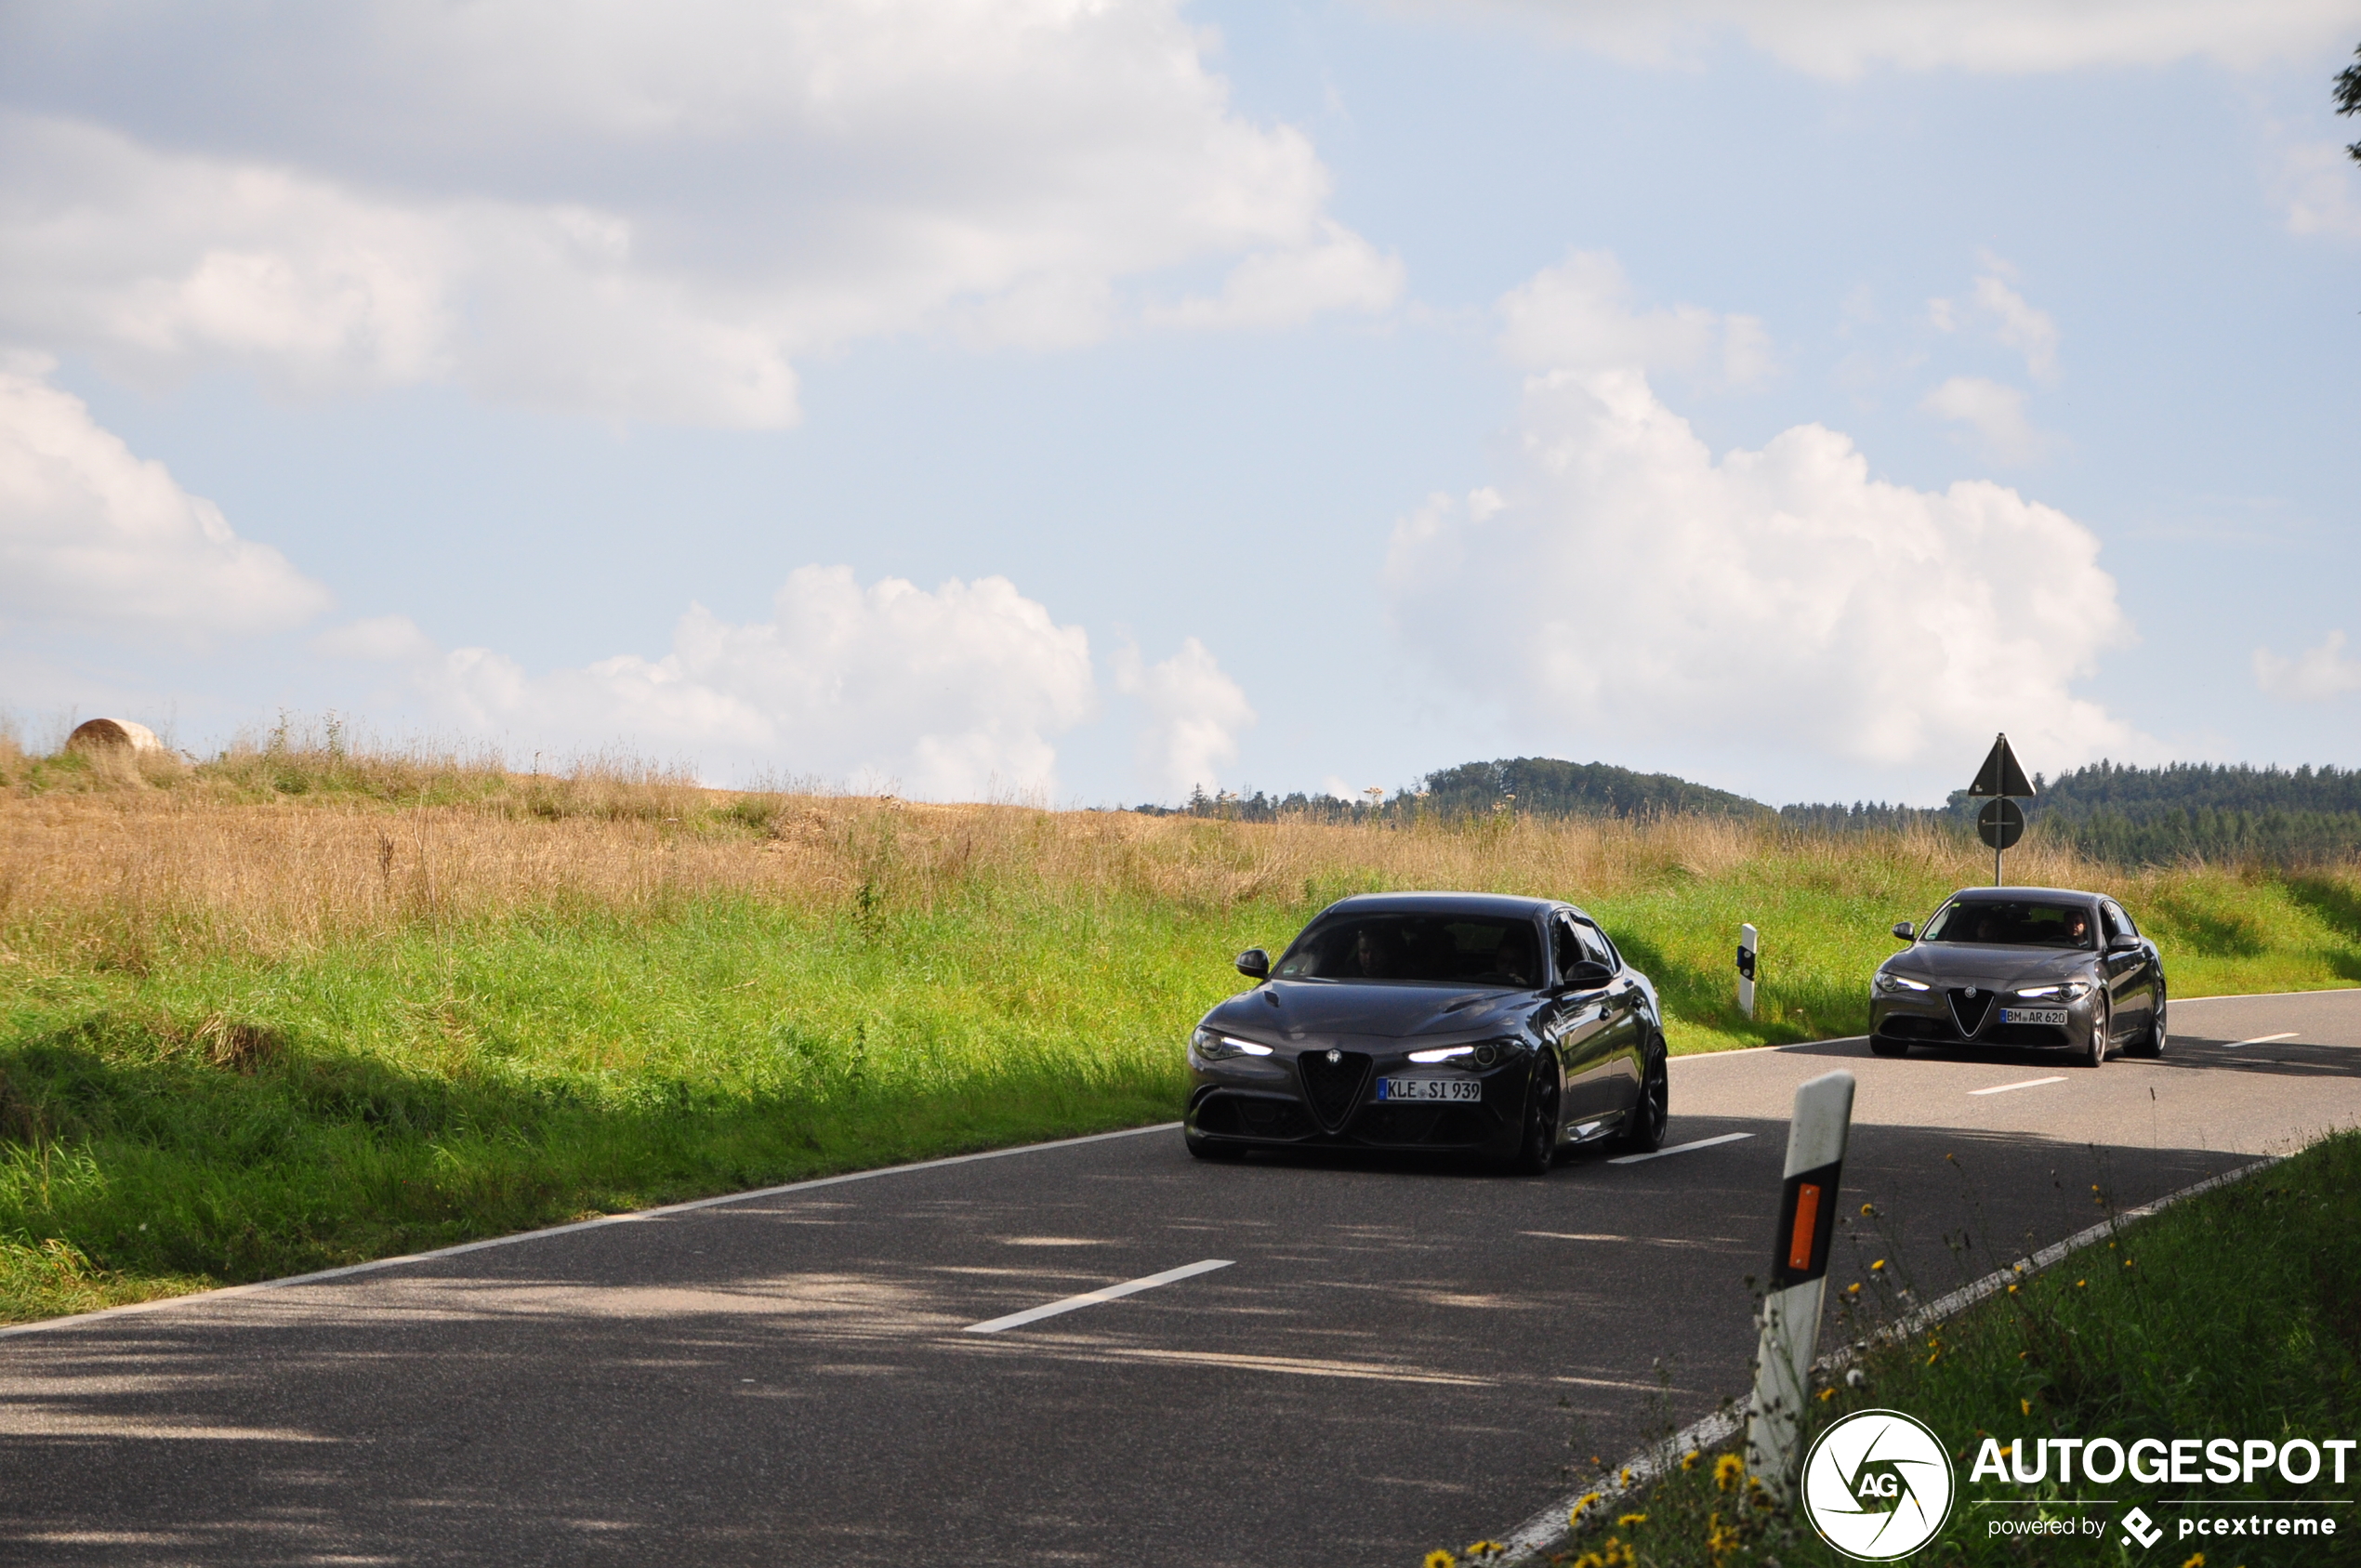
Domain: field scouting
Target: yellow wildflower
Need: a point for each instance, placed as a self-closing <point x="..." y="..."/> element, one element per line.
<point x="1727" y="1469"/>
<point x="1582" y="1505"/>
<point x="1441" y="1559"/>
<point x="2025" y="1405"/>
<point x="2197" y="1562"/>
<point x="1875" y="1265"/>
<point x="1629" y="1520"/>
<point x="1688" y="1460"/>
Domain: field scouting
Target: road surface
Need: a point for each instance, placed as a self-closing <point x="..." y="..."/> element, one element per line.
<point x="1355" y="1360"/>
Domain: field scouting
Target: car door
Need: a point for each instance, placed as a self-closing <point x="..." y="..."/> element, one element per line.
<point x="1625" y="1026"/>
<point x="2130" y="983"/>
<point x="2126" y="971"/>
<point x="1578" y="1029"/>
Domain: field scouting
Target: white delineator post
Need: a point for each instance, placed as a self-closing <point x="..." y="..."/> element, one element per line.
<point x="1749" y="943"/>
<point x="1799" y="1272"/>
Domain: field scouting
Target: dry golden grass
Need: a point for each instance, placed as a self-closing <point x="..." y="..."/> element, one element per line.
<point x="132" y="860"/>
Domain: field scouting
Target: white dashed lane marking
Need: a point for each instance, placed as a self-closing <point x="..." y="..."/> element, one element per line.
<point x="2258" y="1040"/>
<point x="1092" y="1298"/>
<point x="1680" y="1149"/>
<point x="2028" y="1084"/>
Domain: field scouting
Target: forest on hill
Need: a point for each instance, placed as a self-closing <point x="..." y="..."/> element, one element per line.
<point x="2112" y="811"/>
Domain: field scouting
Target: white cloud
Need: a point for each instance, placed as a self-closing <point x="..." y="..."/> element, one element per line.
<point x="2313" y="675"/>
<point x="1755" y="616"/>
<point x="633" y="211"/>
<point x="1580" y="315"/>
<point x="957" y="694"/>
<point x="92" y="535"/>
<point x="1996" y="413"/>
<point x="380" y="639"/>
<point x="2320" y="186"/>
<point x="1283" y="288"/>
<point x="2007" y="317"/>
<point x="1194" y="714"/>
<point x="1844" y="38"/>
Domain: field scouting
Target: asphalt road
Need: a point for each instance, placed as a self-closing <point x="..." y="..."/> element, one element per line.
<point x="1395" y="1356"/>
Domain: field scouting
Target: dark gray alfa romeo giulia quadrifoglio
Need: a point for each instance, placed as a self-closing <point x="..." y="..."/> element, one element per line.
<point x="2045" y="968"/>
<point x="1504" y="1027"/>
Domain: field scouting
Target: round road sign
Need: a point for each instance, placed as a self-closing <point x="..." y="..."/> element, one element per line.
<point x="2000" y="823"/>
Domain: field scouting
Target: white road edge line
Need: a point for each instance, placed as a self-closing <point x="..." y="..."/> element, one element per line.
<point x="201" y="1297"/>
<point x="2259" y="1040"/>
<point x="1546" y="1529"/>
<point x="1092" y="1298"/>
<point x="1679" y="1149"/>
<point x="2028" y="1084"/>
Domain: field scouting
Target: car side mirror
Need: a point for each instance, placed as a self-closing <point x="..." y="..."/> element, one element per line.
<point x="2124" y="943"/>
<point x="1255" y="964"/>
<point x="1905" y="931"/>
<point x="1587" y="975"/>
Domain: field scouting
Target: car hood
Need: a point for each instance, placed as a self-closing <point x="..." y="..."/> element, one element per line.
<point x="1300" y="1009"/>
<point x="1960" y="963"/>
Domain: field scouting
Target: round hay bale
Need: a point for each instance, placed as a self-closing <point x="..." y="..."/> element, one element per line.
<point x="113" y="735"/>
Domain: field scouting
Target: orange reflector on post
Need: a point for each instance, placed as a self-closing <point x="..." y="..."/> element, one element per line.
<point x="1807" y="1223"/>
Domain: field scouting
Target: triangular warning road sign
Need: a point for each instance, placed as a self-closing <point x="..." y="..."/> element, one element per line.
<point x="2000" y="774"/>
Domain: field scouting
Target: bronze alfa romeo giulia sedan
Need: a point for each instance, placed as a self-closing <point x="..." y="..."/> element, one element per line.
<point x="2048" y="969"/>
<point x="1508" y="1028"/>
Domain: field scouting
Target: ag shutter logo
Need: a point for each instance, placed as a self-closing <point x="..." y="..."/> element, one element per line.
<point x="1878" y="1485"/>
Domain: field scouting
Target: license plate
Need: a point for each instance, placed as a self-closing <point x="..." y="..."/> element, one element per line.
<point x="1428" y="1089"/>
<point x="2033" y="1015"/>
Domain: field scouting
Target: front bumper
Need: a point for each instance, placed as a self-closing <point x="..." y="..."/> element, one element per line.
<point x="1277" y="1102"/>
<point x="1948" y="1018"/>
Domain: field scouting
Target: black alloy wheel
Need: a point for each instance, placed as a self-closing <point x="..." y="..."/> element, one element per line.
<point x="1643" y="1130"/>
<point x="2102" y="1030"/>
<point x="2151" y="1039"/>
<point x="1538" y="1149"/>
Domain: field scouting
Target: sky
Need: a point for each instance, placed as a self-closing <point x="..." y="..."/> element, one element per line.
<point x="1085" y="401"/>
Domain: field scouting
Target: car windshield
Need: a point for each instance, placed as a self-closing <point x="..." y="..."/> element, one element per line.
<point x="1435" y="949"/>
<point x="2011" y="923"/>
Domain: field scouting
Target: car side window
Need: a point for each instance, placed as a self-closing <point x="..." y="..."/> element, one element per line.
<point x="1594" y="945"/>
<point x="1563" y="946"/>
<point x="2118" y="918"/>
<point x="2110" y="921"/>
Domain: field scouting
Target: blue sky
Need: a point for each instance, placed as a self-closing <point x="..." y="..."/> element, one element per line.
<point x="1086" y="403"/>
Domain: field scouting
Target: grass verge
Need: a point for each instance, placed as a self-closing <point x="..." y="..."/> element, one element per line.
<point x="2234" y="1313"/>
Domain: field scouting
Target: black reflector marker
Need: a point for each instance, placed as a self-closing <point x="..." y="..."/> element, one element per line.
<point x="1798" y="1270"/>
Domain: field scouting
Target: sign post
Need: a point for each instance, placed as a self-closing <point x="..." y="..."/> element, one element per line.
<point x="1749" y="943"/>
<point x="2002" y="823"/>
<point x="1798" y="1274"/>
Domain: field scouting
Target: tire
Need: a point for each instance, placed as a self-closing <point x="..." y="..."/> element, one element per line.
<point x="1643" y="1130"/>
<point x="1205" y="1149"/>
<point x="1537" y="1151"/>
<point x="2152" y="1042"/>
<point x="2101" y="1026"/>
<point x="1881" y="1045"/>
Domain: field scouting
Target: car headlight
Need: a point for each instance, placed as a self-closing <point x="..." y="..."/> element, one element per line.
<point x="2068" y="990"/>
<point x="1442" y="1053"/>
<point x="1888" y="984"/>
<point x="1212" y="1046"/>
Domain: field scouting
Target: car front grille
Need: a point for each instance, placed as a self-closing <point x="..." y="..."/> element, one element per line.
<point x="1334" y="1089"/>
<point x="1969" y="1012"/>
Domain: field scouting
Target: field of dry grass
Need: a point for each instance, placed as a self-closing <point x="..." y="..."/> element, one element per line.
<point x="296" y="1005"/>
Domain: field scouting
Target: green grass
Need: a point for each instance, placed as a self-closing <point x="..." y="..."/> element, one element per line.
<point x="185" y="1103"/>
<point x="2236" y="1313"/>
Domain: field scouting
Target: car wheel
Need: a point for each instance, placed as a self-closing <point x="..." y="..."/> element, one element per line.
<point x="1644" y="1130"/>
<point x="1538" y="1149"/>
<point x="1205" y="1149"/>
<point x="2102" y="1027"/>
<point x="2152" y="1042"/>
<point x="1881" y="1045"/>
